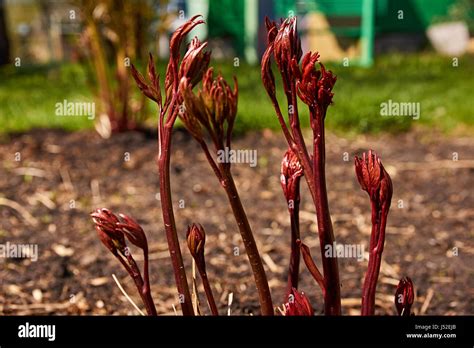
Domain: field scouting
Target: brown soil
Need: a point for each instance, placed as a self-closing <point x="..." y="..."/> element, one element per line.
<point x="62" y="177"/>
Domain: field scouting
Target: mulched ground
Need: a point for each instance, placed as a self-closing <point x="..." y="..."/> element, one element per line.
<point x="47" y="195"/>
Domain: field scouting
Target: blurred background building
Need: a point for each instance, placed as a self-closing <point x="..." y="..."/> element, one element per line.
<point x="41" y="31"/>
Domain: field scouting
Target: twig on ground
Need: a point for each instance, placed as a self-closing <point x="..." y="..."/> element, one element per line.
<point x="126" y="295"/>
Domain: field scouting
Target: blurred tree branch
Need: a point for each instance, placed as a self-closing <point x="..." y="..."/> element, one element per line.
<point x="115" y="33"/>
<point x="4" y="39"/>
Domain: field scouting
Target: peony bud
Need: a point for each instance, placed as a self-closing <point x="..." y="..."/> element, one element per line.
<point x="152" y="88"/>
<point x="180" y="34"/>
<point x="374" y="179"/>
<point x="195" y="62"/>
<point x="287" y="43"/>
<point x="105" y="224"/>
<point x="314" y="87"/>
<point x="325" y="86"/>
<point x="133" y="231"/>
<point x="175" y="43"/>
<point x="307" y="85"/>
<point x="404" y="296"/>
<point x="298" y="304"/>
<point x="268" y="78"/>
<point x="196" y="238"/>
<point x="287" y="50"/>
<point x="214" y="105"/>
<point x="219" y="98"/>
<point x="291" y="172"/>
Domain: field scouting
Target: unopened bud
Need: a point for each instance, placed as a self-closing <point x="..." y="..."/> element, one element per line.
<point x="298" y="304"/>
<point x="133" y="231"/>
<point x="287" y="49"/>
<point x="291" y="172"/>
<point x="374" y="179"/>
<point x="106" y="226"/>
<point x="196" y="239"/>
<point x="404" y="296"/>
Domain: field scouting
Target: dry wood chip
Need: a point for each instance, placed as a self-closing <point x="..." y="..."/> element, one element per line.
<point x="62" y="250"/>
<point x="99" y="281"/>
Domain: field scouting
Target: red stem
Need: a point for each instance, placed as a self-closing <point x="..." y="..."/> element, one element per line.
<point x="146" y="284"/>
<point x="377" y="240"/>
<point x="169" y="222"/>
<point x="298" y="135"/>
<point x="332" y="301"/>
<point x="223" y="174"/>
<point x="207" y="288"/>
<point x="134" y="272"/>
<point x="249" y="243"/>
<point x="315" y="177"/>
<point x="293" y="269"/>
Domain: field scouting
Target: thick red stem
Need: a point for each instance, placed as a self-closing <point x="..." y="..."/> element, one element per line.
<point x="377" y="240"/>
<point x="332" y="301"/>
<point x="293" y="270"/>
<point x="146" y="285"/>
<point x="207" y="288"/>
<point x="170" y="225"/>
<point x="249" y="243"/>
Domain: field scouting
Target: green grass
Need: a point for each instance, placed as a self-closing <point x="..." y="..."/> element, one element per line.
<point x="28" y="95"/>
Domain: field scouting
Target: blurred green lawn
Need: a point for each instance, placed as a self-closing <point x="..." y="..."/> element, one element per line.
<point x="28" y="95"/>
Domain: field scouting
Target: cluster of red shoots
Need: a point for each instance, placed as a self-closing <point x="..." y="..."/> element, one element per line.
<point x="209" y="114"/>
